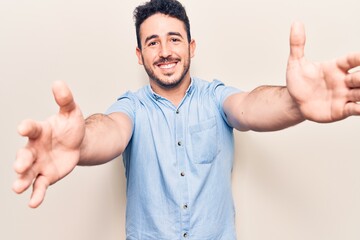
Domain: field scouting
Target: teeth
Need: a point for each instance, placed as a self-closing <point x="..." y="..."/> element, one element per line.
<point x="167" y="66"/>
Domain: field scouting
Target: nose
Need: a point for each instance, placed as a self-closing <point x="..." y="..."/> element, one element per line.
<point x="165" y="51"/>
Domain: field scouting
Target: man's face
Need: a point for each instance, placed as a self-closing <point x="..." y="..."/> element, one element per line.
<point x="165" y="51"/>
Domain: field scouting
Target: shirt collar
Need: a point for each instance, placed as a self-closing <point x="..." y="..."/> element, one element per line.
<point x="191" y="87"/>
<point x="157" y="96"/>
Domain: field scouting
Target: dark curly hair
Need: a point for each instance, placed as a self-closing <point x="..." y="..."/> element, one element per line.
<point x="171" y="8"/>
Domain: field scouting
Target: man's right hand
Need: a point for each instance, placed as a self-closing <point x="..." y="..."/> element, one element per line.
<point x="53" y="147"/>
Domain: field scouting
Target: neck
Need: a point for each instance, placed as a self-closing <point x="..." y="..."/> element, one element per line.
<point x="175" y="94"/>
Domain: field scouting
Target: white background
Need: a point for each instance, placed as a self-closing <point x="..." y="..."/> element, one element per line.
<point x="300" y="183"/>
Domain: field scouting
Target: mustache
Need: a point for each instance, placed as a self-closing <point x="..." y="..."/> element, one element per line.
<point x="166" y="60"/>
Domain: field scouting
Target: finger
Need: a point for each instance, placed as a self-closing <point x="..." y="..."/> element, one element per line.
<point x="24" y="160"/>
<point x="297" y="40"/>
<point x="352" y="109"/>
<point x="24" y="181"/>
<point x="349" y="61"/>
<point x="30" y="128"/>
<point x="63" y="97"/>
<point x="353" y="95"/>
<point x="39" y="189"/>
<point x="352" y="80"/>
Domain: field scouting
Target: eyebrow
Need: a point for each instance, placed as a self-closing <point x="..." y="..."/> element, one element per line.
<point x="156" y="36"/>
<point x="175" y="33"/>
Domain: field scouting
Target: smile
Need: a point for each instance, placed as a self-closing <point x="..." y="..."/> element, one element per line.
<point x="167" y="66"/>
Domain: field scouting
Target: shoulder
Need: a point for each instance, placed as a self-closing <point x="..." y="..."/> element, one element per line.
<point x="204" y="84"/>
<point x="129" y="102"/>
<point x="216" y="88"/>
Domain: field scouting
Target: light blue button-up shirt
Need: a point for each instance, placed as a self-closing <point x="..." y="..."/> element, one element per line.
<point x="178" y="164"/>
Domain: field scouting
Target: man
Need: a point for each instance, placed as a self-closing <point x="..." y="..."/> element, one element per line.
<point x="176" y="134"/>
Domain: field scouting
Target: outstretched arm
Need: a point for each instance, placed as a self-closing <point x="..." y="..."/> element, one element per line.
<point x="266" y="108"/>
<point x="106" y="137"/>
<point x="321" y="92"/>
<point x="63" y="141"/>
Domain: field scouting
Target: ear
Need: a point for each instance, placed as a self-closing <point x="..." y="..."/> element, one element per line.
<point x="139" y="56"/>
<point x="192" y="48"/>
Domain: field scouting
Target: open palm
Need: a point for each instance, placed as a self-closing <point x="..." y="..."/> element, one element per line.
<point x="53" y="147"/>
<point x="326" y="91"/>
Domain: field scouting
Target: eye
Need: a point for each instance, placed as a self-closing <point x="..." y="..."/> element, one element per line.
<point x="153" y="43"/>
<point x="175" y="40"/>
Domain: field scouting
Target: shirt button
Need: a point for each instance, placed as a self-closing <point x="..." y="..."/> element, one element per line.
<point x="185" y="235"/>
<point x="179" y="143"/>
<point x="185" y="206"/>
<point x="182" y="174"/>
<point x="177" y="111"/>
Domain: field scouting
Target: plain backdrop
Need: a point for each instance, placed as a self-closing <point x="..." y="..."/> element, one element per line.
<point x="295" y="184"/>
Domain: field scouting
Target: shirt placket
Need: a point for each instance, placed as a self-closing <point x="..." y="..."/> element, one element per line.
<point x="182" y="175"/>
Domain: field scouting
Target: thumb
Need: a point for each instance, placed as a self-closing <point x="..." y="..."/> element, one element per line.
<point x="63" y="97"/>
<point x="297" y="40"/>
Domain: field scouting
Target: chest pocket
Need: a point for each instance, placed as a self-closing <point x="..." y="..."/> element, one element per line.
<point x="204" y="139"/>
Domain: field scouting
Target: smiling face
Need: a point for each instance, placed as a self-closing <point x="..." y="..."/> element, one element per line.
<point x="165" y="51"/>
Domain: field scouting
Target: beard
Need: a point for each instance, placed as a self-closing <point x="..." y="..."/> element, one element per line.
<point x="165" y="82"/>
